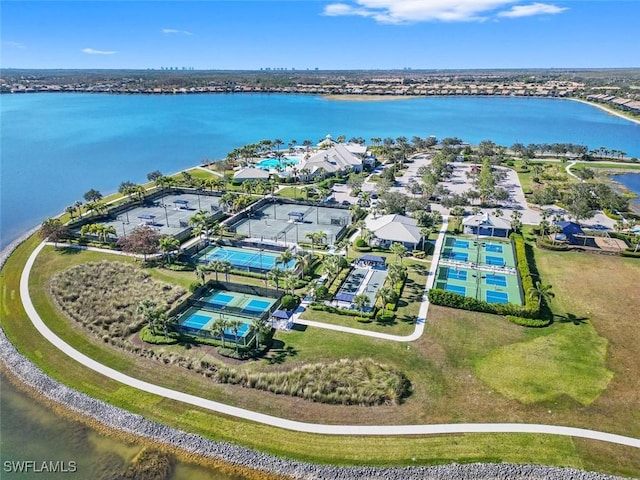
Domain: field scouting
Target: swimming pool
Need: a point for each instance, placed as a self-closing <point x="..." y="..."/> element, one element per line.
<point x="271" y="163"/>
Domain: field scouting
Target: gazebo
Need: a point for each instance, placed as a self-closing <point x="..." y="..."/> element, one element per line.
<point x="147" y="219"/>
<point x="296" y="216"/>
<point x="371" y="260"/>
<point x="281" y="319"/>
<point x="180" y="204"/>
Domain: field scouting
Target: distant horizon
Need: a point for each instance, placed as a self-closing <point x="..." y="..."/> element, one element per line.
<point x="328" y="35"/>
<point x="304" y="70"/>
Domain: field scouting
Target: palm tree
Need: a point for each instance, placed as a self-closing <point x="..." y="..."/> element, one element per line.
<point x="361" y="302"/>
<point x="385" y="294"/>
<point x="218" y="327"/>
<point x="216" y="266"/>
<point x="425" y="232"/>
<point x="200" y="223"/>
<point x="273" y="277"/>
<point x="290" y="281"/>
<point x="399" y="250"/>
<point x="540" y="292"/>
<point x="396" y="272"/>
<point x="226" y="267"/>
<point x="168" y="244"/>
<point x="260" y="327"/>
<point x="366" y="235"/>
<point x="201" y="273"/>
<point x="284" y="258"/>
<point x="147" y="309"/>
<point x="235" y="325"/>
<point x="54" y="230"/>
<point x="303" y="261"/>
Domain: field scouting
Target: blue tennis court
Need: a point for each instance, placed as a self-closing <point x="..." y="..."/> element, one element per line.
<point x="462" y="257"/>
<point x="196" y="321"/>
<point x="497" y="261"/>
<point x="256" y="307"/>
<point x="497" y="297"/>
<point x="455" y="289"/>
<point x="219" y="300"/>
<point x="461" y="244"/>
<point x="498" y="280"/>
<point x="244" y="258"/>
<point x="493" y="248"/>
<point x="243" y="329"/>
<point x="457" y="274"/>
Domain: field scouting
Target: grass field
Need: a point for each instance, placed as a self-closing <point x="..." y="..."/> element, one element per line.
<point x="599" y="302"/>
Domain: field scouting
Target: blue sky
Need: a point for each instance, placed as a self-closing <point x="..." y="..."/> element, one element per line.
<point x="338" y="34"/>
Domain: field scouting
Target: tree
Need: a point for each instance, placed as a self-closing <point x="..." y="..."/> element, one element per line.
<point x="148" y="311"/>
<point x="54" y="230"/>
<point x="235" y="325"/>
<point x="516" y="223"/>
<point x="200" y="223"/>
<point x="143" y="240"/>
<point x="486" y="182"/>
<point x="216" y="266"/>
<point x="399" y="250"/>
<point x="218" y="327"/>
<point x="361" y="302"/>
<point x="396" y="273"/>
<point x="154" y="176"/>
<point x="333" y="264"/>
<point x="201" y="273"/>
<point x="168" y="244"/>
<point x="290" y="282"/>
<point x="284" y="258"/>
<point x="92" y="196"/>
<point x="540" y="292"/>
<point x="303" y="261"/>
<point x="273" y="277"/>
<point x="385" y="295"/>
<point x="261" y="328"/>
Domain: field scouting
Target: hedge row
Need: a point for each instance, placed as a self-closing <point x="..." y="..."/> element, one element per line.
<point x="531" y="308"/>
<point x="342" y="311"/>
<point x="545" y="244"/>
<point x="338" y="280"/>
<point x="528" y="322"/>
<point x="454" y="300"/>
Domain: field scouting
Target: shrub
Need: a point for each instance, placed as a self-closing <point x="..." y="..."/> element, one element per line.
<point x="528" y="322"/>
<point x="147" y="336"/>
<point x="547" y="245"/>
<point x="385" y="315"/>
<point x="360" y="243"/>
<point x="322" y="292"/>
<point x="418" y="253"/>
<point x="193" y="286"/>
<point x="289" y="302"/>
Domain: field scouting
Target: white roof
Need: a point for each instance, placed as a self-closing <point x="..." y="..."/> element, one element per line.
<point x="394" y="228"/>
<point x="251" y="173"/>
<point x="487" y="220"/>
<point x="332" y="160"/>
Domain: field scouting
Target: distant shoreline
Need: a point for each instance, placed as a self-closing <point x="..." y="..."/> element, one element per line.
<point x="355" y="97"/>
<point x="606" y="109"/>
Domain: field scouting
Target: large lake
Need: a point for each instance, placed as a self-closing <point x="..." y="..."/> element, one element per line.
<point x="55" y="147"/>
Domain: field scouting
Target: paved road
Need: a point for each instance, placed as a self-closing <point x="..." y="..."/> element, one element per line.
<point x="292" y="424"/>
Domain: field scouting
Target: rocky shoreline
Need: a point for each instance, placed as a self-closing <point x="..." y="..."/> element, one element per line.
<point x="121" y="420"/>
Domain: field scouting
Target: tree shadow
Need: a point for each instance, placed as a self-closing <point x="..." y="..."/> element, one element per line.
<point x="570" y="318"/>
<point x="69" y="250"/>
<point x="279" y="352"/>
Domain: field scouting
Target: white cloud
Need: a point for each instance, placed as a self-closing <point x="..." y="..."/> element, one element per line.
<point x="533" y="9"/>
<point x="14" y="45"/>
<point x="93" y="51"/>
<point x="173" y="31"/>
<point x="412" y="11"/>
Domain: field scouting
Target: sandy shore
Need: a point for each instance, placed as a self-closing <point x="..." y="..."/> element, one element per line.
<point x="606" y="109"/>
<point x="369" y="98"/>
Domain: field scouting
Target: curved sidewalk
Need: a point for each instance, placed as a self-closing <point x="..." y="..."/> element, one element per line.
<point x="292" y="424"/>
<point x="422" y="314"/>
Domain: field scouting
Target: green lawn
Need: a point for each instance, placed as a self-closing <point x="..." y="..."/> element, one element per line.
<point x="441" y="366"/>
<point x="570" y="362"/>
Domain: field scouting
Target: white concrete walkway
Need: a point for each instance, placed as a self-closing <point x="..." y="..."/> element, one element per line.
<point x="292" y="424"/>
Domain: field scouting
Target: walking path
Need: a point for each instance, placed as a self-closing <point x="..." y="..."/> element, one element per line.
<point x="292" y="424"/>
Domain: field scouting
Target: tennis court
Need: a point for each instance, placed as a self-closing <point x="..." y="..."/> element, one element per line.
<point x="476" y="269"/>
<point x="498" y="280"/>
<point x="457" y="274"/>
<point x="497" y="297"/>
<point x="292" y="223"/>
<point x="243" y="258"/>
<point x="361" y="281"/>
<point x="494" y="261"/>
<point x="492" y="247"/>
<point x="201" y="322"/>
